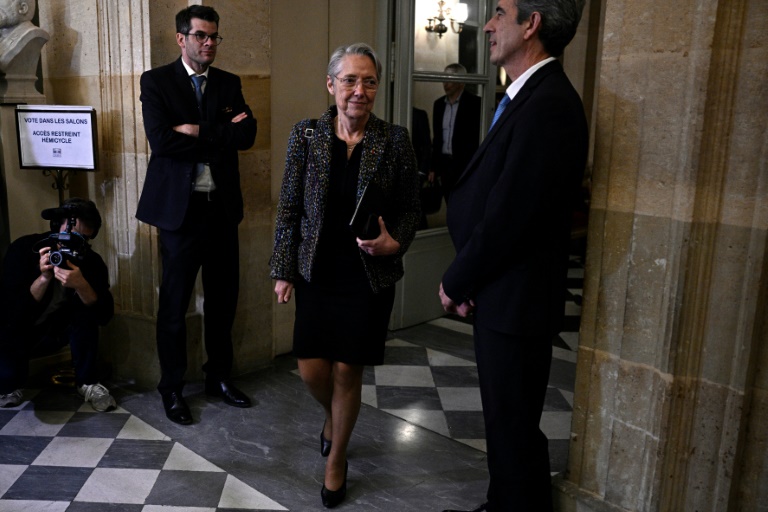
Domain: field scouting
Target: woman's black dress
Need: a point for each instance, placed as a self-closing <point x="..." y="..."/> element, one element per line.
<point x="338" y="317"/>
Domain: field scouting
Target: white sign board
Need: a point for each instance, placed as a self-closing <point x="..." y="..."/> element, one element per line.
<point x="56" y="137"/>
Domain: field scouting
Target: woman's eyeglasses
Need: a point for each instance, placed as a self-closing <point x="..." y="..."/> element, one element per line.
<point x="350" y="82"/>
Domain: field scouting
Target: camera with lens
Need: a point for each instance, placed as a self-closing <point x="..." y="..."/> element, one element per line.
<point x="68" y="245"/>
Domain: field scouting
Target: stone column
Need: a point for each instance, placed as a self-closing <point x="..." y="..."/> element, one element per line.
<point x="671" y="407"/>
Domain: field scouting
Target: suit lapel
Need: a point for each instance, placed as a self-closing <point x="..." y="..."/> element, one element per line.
<point x="508" y="115"/>
<point x="185" y="84"/>
<point x="211" y="97"/>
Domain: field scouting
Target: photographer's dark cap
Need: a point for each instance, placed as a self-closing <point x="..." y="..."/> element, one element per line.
<point x="53" y="213"/>
<point x="82" y="209"/>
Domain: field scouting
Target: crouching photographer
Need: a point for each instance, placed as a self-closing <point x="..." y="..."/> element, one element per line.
<point x="54" y="291"/>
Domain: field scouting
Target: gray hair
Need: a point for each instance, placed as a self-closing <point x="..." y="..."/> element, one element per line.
<point x="456" y="68"/>
<point x="559" y="20"/>
<point x="334" y="65"/>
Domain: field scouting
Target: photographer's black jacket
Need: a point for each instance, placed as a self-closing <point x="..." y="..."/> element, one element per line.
<point x="21" y="267"/>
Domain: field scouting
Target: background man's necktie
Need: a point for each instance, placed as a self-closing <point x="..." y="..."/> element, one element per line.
<point x="502" y="105"/>
<point x="198" y="81"/>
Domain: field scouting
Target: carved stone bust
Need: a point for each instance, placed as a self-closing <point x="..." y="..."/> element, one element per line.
<point x="20" y="45"/>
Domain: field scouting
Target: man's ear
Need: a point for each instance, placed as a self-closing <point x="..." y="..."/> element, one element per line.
<point x="534" y="24"/>
<point x="23" y="8"/>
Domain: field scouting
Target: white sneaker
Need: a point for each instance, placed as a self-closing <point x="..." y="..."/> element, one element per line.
<point x="98" y="396"/>
<point x="12" y="399"/>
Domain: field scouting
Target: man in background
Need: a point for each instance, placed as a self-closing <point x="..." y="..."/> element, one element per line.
<point x="196" y="121"/>
<point x="456" y="128"/>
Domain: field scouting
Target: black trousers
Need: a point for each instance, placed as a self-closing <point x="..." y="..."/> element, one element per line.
<point x="206" y="240"/>
<point x="19" y="345"/>
<point x="514" y="373"/>
<point x="449" y="169"/>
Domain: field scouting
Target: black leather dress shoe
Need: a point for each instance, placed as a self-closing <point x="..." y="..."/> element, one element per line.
<point x="333" y="498"/>
<point x="481" y="508"/>
<point x="227" y="392"/>
<point x="325" y="444"/>
<point x="176" y="408"/>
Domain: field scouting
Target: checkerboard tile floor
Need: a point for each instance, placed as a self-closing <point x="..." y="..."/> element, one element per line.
<point x="422" y="383"/>
<point x="57" y="454"/>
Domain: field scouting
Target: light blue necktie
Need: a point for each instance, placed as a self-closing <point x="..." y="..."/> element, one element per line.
<point x="502" y="105"/>
<point x="199" y="80"/>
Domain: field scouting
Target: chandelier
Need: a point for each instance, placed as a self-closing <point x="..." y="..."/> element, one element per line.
<point x="457" y="15"/>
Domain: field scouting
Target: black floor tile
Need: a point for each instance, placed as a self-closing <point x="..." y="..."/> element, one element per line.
<point x="48" y="483"/>
<point x="94" y="424"/>
<point x="21" y="449"/>
<point x="455" y="376"/>
<point x="187" y="489"/>
<point x="132" y="453"/>
<point x="402" y="397"/>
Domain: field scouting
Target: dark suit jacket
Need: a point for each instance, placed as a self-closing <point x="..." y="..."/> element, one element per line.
<point x="168" y="100"/>
<point x="422" y="140"/>
<point x="466" y="130"/>
<point x="510" y="211"/>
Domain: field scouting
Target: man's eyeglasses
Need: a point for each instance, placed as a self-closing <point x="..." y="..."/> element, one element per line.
<point x="350" y="82"/>
<point x="202" y="37"/>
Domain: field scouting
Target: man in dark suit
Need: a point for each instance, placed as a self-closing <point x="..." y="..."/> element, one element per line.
<point x="509" y="218"/>
<point x="196" y="120"/>
<point x="456" y="128"/>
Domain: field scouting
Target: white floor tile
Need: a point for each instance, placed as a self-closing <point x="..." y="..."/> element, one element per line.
<point x="111" y="485"/>
<point x="432" y="420"/>
<point x="78" y="452"/>
<point x="134" y="428"/>
<point x="9" y="473"/>
<point x="368" y="396"/>
<point x="33" y="506"/>
<point x="477" y="444"/>
<point x="563" y="354"/>
<point x="184" y="459"/>
<point x="170" y="508"/>
<point x="236" y="494"/>
<point x="396" y="375"/>
<point x="442" y="359"/>
<point x="556" y="425"/>
<point x="460" y="399"/>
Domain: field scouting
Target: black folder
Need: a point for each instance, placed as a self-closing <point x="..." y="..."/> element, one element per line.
<point x="365" y="220"/>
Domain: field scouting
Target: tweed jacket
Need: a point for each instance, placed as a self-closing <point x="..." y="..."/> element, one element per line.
<point x="388" y="160"/>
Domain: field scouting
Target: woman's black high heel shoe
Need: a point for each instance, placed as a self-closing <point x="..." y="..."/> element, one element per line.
<point x="325" y="444"/>
<point x="333" y="498"/>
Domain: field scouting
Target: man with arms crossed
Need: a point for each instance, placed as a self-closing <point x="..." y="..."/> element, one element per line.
<point x="196" y="120"/>
<point x="509" y="218"/>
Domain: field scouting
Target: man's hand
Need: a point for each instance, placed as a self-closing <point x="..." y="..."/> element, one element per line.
<point x="283" y="291"/>
<point x="40" y="285"/>
<point x="463" y="310"/>
<point x="46" y="269"/>
<point x="75" y="280"/>
<point x="193" y="130"/>
<point x="382" y="245"/>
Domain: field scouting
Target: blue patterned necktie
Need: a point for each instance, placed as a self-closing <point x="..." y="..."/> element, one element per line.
<point x="502" y="105"/>
<point x="199" y="80"/>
